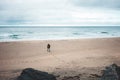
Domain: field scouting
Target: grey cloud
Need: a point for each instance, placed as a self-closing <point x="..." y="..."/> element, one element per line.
<point x="98" y="3"/>
<point x="14" y="21"/>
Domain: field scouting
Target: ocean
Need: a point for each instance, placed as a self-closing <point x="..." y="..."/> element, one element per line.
<point x="18" y="33"/>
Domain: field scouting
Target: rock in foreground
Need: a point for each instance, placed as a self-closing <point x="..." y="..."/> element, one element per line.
<point x="111" y="72"/>
<point x="31" y="74"/>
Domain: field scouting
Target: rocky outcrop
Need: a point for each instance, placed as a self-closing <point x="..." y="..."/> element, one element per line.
<point x="111" y="72"/>
<point x="31" y="74"/>
<point x="72" y="78"/>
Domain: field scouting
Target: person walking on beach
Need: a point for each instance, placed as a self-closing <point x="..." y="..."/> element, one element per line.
<point x="48" y="48"/>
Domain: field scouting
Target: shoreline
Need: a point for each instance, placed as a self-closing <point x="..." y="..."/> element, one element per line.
<point x="60" y="39"/>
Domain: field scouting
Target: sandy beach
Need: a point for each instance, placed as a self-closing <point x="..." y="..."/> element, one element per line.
<point x="67" y="57"/>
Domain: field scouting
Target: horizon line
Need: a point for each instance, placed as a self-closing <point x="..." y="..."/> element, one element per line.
<point x="57" y="25"/>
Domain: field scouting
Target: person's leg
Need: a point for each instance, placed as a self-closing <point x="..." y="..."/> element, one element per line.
<point x="49" y="49"/>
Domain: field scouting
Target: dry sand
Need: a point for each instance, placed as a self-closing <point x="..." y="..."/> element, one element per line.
<point x="67" y="57"/>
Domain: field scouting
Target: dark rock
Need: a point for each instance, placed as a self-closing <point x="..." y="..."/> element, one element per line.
<point x="111" y="72"/>
<point x="95" y="75"/>
<point x="71" y="78"/>
<point x="31" y="74"/>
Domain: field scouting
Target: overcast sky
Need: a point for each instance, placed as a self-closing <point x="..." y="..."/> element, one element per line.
<point x="60" y="12"/>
